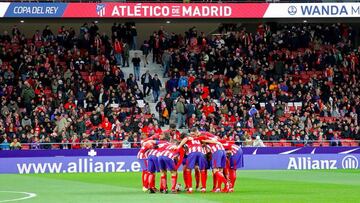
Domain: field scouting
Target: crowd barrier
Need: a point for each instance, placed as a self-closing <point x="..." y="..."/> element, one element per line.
<point x="124" y="160"/>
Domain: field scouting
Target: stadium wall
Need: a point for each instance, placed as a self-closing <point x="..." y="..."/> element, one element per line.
<point x="124" y="160"/>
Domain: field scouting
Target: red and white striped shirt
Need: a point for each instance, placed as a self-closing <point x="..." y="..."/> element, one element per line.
<point x="195" y="145"/>
<point x="144" y="151"/>
<point x="215" y="147"/>
<point x="153" y="152"/>
<point x="230" y="146"/>
<point x="169" y="151"/>
<point x="161" y="147"/>
<point x="234" y="149"/>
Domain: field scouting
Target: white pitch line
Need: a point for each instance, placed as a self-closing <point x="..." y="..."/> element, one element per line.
<point x="29" y="195"/>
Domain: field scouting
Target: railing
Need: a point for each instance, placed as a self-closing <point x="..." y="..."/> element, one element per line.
<point x="122" y="144"/>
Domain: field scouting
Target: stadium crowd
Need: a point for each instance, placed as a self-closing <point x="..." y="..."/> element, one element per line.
<point x="293" y="84"/>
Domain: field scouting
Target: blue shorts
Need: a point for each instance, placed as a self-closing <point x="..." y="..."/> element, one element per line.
<point x="143" y="164"/>
<point x="237" y="160"/>
<point x="196" y="158"/>
<point x="165" y="163"/>
<point x="218" y="159"/>
<point x="208" y="164"/>
<point x="153" y="164"/>
<point x="184" y="160"/>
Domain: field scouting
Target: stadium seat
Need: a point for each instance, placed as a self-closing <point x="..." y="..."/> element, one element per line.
<point x="268" y="144"/>
<point x="354" y="144"/>
<point x="345" y="144"/>
<point x="277" y="144"/>
<point x="25" y="147"/>
<point x="316" y="144"/>
<point x="55" y="146"/>
<point x="286" y="144"/>
<point x="117" y="144"/>
<point x="325" y="144"/>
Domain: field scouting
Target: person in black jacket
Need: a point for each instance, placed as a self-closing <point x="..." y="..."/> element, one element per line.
<point x="155" y="86"/>
<point x="145" y="81"/>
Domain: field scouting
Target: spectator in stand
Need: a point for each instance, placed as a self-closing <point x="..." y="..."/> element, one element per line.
<point x="258" y="142"/>
<point x="126" y="54"/>
<point x="126" y="144"/>
<point x="335" y="141"/>
<point x="136" y="64"/>
<point x="27" y="94"/>
<point x="75" y="142"/>
<point x="166" y="62"/>
<point x="180" y="112"/>
<point x="133" y="32"/>
<point x="4" y="145"/>
<point x="155" y="86"/>
<point x="146" y="82"/>
<point x="36" y="144"/>
<point x="248" y="142"/>
<point x="46" y="144"/>
<point x="118" y="51"/>
<point x="15" y="144"/>
<point x="145" y="48"/>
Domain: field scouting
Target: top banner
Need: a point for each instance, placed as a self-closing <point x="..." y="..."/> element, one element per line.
<point x="179" y="10"/>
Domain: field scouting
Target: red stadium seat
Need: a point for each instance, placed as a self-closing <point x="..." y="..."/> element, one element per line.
<point x="117" y="145"/>
<point x="55" y="146"/>
<point x="282" y="141"/>
<point x="25" y="147"/>
<point x="354" y="144"/>
<point x="316" y="144"/>
<point x="345" y="143"/>
<point x="325" y="144"/>
<point x="268" y="144"/>
<point x="286" y="144"/>
<point x="277" y="144"/>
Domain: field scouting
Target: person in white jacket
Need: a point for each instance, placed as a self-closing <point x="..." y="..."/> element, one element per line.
<point x="258" y="142"/>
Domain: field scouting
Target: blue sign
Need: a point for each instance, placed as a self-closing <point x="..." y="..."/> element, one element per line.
<point x="36" y="10"/>
<point x="95" y="160"/>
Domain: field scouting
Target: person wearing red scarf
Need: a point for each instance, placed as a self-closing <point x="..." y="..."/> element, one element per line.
<point x="118" y="49"/>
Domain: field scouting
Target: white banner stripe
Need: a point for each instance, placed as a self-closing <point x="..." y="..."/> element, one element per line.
<point x="313" y="10"/>
<point x="3" y="8"/>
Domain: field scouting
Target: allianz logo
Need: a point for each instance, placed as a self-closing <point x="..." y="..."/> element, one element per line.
<point x="306" y="163"/>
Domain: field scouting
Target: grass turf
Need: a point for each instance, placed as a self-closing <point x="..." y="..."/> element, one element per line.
<point x="251" y="186"/>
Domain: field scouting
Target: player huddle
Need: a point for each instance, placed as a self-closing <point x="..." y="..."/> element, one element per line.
<point x="198" y="151"/>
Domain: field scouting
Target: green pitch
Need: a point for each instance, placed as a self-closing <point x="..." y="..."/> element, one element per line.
<point x="252" y="186"/>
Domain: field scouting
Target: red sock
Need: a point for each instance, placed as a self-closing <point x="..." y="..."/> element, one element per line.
<point x="197" y="178"/>
<point x="185" y="178"/>
<point x="173" y="181"/>
<point x="226" y="173"/>
<point x="163" y="180"/>
<point x="232" y="177"/>
<point x="145" y="180"/>
<point x="151" y="180"/>
<point x="214" y="181"/>
<point x="220" y="178"/>
<point x="188" y="179"/>
<point x="203" y="178"/>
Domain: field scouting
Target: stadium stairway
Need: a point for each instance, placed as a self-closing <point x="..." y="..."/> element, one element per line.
<point x="154" y="69"/>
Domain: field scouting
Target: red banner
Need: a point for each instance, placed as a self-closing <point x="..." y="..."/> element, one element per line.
<point x="164" y="10"/>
